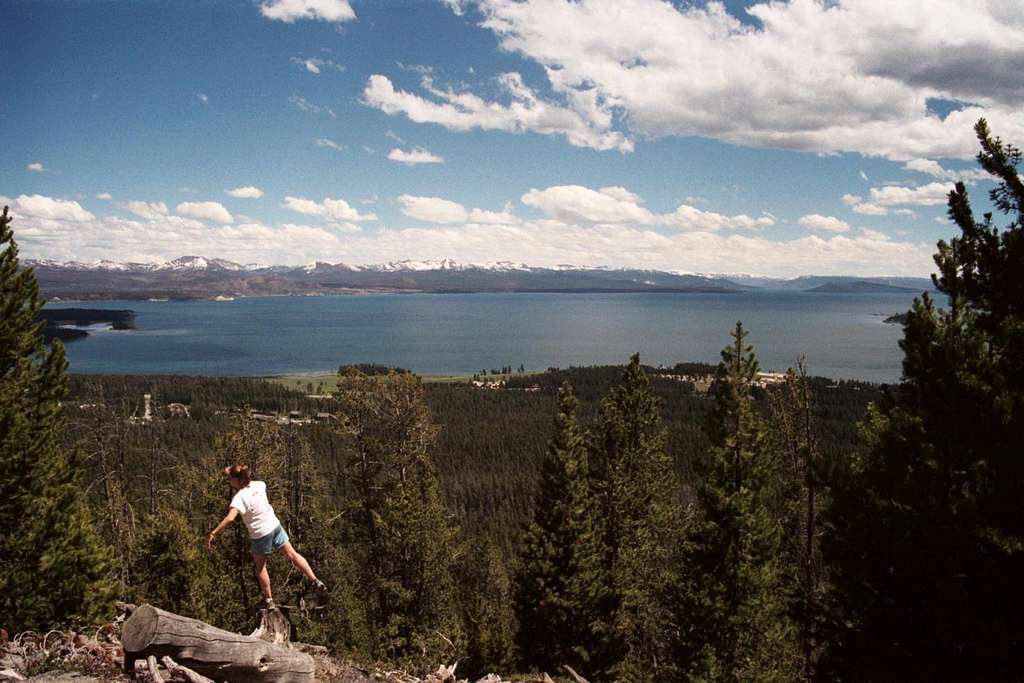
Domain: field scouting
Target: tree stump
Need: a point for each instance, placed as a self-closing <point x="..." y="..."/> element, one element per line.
<point x="210" y="651"/>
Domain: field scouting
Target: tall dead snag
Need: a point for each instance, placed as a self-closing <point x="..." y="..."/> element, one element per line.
<point x="210" y="651"/>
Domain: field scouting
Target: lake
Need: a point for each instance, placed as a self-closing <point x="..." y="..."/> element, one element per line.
<point x="841" y="335"/>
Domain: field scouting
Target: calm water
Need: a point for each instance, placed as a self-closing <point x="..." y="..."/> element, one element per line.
<point x="841" y="335"/>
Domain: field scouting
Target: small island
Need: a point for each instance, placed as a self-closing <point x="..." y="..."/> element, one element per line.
<point x="66" y="323"/>
<point x="897" y="319"/>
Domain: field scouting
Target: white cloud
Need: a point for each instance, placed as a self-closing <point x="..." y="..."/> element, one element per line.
<point x="247" y="192"/>
<point x="816" y="221"/>
<point x="455" y="6"/>
<point x="105" y="196"/>
<point x="66" y="233"/>
<point x="148" y="210"/>
<point x="331" y="144"/>
<point x="433" y="209"/>
<point x="332" y="209"/>
<point x="694" y="69"/>
<point x="414" y="157"/>
<point x="50" y="208"/>
<point x="923" y="195"/>
<point x="35" y="167"/>
<point x="202" y="97"/>
<point x="691" y="218"/>
<point x="617" y="205"/>
<point x="935" y="169"/>
<point x="870" y="234"/>
<point x="207" y="211"/>
<point x="305" y="105"/>
<point x="525" y="112"/>
<point x="864" y="176"/>
<point x="869" y="209"/>
<point x="315" y="65"/>
<point x="493" y="217"/>
<point x="578" y="204"/>
<point x="289" y="11"/>
<point x="621" y="193"/>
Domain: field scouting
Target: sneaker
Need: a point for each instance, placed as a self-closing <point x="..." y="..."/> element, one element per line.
<point x="268" y="603"/>
<point x="320" y="586"/>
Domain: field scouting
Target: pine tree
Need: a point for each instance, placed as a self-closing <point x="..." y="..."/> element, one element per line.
<point x="548" y="612"/>
<point x="802" y="497"/>
<point x="396" y="527"/>
<point x="634" y="490"/>
<point x="53" y="567"/>
<point x="735" y="589"/>
<point x="929" y="541"/>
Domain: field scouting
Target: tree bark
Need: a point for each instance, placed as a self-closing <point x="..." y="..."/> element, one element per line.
<point x="212" y="652"/>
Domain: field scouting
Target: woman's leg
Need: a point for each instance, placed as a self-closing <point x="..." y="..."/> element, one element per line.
<point x="262" y="575"/>
<point x="298" y="560"/>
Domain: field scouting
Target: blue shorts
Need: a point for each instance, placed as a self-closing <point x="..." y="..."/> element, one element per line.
<point x="275" y="540"/>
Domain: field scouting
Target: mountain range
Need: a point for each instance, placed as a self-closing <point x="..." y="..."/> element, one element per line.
<point x="191" y="277"/>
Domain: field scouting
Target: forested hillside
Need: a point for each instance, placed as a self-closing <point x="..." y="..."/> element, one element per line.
<point x="489" y="448"/>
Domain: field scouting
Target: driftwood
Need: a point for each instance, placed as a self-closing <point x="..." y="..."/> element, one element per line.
<point x="209" y="651"/>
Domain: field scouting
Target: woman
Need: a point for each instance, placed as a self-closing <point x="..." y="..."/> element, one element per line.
<point x="265" y="532"/>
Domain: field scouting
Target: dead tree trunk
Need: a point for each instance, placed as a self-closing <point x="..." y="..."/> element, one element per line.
<point x="212" y="652"/>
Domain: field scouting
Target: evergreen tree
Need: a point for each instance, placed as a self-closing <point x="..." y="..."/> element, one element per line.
<point x="548" y="612"/>
<point x="487" y="597"/>
<point x="396" y="527"/>
<point x="53" y="567"/>
<point x="802" y="497"/>
<point x="929" y="542"/>
<point x="736" y="596"/>
<point x="634" y="489"/>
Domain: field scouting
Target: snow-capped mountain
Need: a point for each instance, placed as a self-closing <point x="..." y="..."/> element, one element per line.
<point x="199" y="276"/>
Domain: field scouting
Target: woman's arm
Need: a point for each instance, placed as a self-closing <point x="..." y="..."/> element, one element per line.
<point x="228" y="519"/>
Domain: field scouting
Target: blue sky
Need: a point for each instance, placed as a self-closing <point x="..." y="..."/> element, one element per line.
<point x="785" y="139"/>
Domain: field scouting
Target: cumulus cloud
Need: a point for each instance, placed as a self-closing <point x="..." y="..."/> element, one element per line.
<point x="60" y="229"/>
<point x="524" y="112"/>
<point x="207" y="211"/>
<point x="578" y="204"/>
<point x="935" y="169"/>
<point x="149" y="210"/>
<point x="332" y="209"/>
<point x="35" y="167"/>
<point x="816" y="221"/>
<point x="691" y="218"/>
<point x="663" y="68"/>
<point x="105" y="196"/>
<point x="247" y="192"/>
<point x="617" y="205"/>
<point x="41" y="206"/>
<point x="870" y="234"/>
<point x="493" y="217"/>
<point x="290" y="11"/>
<point x="923" y="195"/>
<point x="414" y="157"/>
<point x="433" y="209"/>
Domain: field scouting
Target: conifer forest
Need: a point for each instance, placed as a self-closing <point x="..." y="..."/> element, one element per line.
<point x="623" y="521"/>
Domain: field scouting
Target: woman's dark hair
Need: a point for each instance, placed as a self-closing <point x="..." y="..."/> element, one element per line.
<point x="241" y="473"/>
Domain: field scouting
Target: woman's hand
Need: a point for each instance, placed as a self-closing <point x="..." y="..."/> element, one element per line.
<point x="228" y="519"/>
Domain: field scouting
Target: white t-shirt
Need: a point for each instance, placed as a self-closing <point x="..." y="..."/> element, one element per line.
<point x="256" y="511"/>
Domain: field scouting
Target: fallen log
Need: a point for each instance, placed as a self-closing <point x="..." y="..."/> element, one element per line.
<point x="210" y="651"/>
